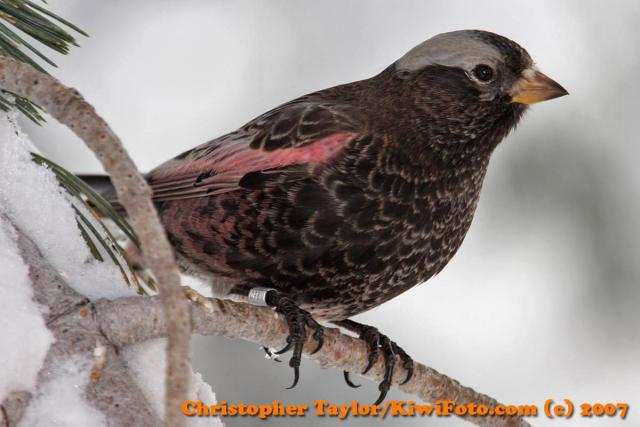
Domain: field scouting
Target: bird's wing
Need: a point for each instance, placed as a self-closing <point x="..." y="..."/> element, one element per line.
<point x="296" y="135"/>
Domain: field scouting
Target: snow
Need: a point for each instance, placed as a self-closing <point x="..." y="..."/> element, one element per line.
<point x="141" y="356"/>
<point x="60" y="399"/>
<point x="31" y="198"/>
<point x="20" y="317"/>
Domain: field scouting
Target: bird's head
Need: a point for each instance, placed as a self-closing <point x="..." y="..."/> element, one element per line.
<point x="470" y="74"/>
<point x="496" y="67"/>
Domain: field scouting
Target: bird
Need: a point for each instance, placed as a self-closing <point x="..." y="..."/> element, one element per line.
<point x="335" y="202"/>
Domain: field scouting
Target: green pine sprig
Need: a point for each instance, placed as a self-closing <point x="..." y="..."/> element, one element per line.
<point x="93" y="236"/>
<point x="38" y="23"/>
<point x="21" y="23"/>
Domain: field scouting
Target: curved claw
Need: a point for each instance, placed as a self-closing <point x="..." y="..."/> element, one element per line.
<point x="407" y="378"/>
<point x="408" y="365"/>
<point x="407" y="362"/>
<point x="369" y="365"/>
<point x="318" y="333"/>
<point x="318" y="347"/>
<point x="389" y="364"/>
<point x="372" y="337"/>
<point x="383" y="394"/>
<point x="348" y="380"/>
<point x="285" y="348"/>
<point x="373" y="356"/>
<point x="296" y="377"/>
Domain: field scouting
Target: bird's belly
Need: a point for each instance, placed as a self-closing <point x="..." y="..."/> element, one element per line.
<point x="398" y="257"/>
<point x="354" y="293"/>
<point x="337" y="258"/>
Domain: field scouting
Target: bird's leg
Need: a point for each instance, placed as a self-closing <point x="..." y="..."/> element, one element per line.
<point x="377" y="343"/>
<point x="297" y="320"/>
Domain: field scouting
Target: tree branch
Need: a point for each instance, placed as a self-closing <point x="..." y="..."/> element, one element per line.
<point x="13" y="407"/>
<point x="69" y="317"/>
<point x="69" y="108"/>
<point x="126" y="321"/>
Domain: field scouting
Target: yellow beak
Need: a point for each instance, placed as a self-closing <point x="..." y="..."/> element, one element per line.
<point x="533" y="86"/>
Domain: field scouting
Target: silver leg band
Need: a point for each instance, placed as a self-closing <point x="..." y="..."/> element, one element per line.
<point x="258" y="296"/>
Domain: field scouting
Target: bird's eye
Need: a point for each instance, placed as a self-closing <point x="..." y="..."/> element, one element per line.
<point x="483" y="72"/>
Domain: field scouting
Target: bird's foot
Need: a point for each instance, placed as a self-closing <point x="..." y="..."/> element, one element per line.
<point x="379" y="343"/>
<point x="297" y="320"/>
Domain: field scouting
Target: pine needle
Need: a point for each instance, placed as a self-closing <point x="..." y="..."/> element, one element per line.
<point x="40" y="24"/>
<point x="98" y="241"/>
<point x="19" y="21"/>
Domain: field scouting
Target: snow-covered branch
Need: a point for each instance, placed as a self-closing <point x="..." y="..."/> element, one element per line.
<point x="113" y="393"/>
<point x="67" y="106"/>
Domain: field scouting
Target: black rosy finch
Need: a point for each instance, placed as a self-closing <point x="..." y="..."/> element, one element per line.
<point x="337" y="201"/>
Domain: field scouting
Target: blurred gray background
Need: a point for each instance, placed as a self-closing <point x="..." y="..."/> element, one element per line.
<point x="542" y="299"/>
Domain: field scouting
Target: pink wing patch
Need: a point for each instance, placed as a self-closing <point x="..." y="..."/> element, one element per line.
<point x="220" y="165"/>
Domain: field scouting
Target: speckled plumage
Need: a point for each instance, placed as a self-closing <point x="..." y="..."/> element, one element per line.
<point x="347" y="197"/>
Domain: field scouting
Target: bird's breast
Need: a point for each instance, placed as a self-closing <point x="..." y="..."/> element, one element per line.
<point x="398" y="226"/>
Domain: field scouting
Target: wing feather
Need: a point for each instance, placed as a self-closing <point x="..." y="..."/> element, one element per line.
<point x="298" y="133"/>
